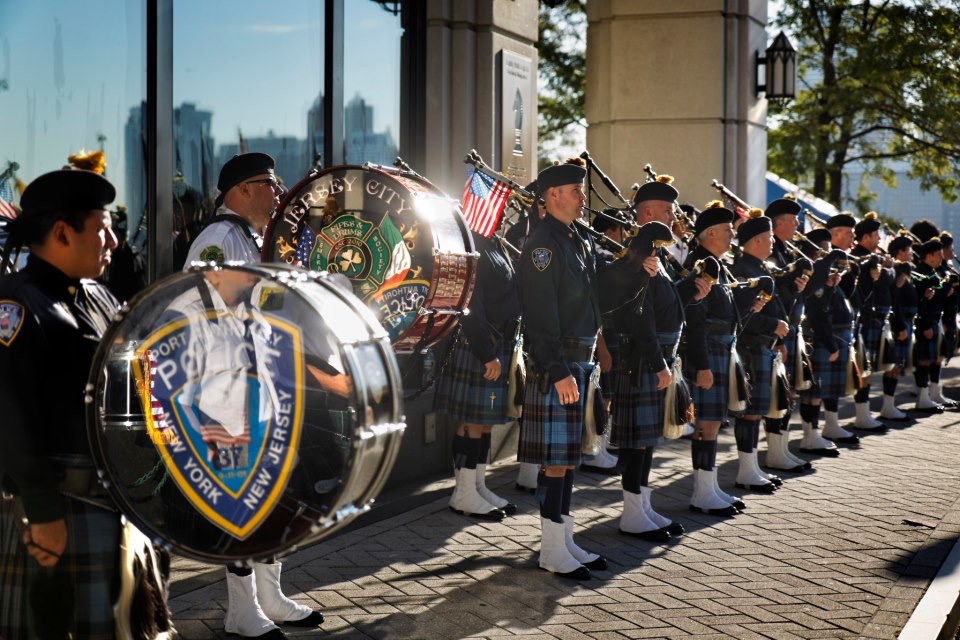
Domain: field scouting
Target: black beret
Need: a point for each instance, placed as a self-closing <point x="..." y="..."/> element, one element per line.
<point x="865" y="226"/>
<point x="611" y="218"/>
<point x="239" y="168"/>
<point x="841" y="220"/>
<point x="819" y="236"/>
<point x="559" y="175"/>
<point x="924" y="230"/>
<point x="903" y="268"/>
<point x="712" y="216"/>
<point x="655" y="191"/>
<point x="753" y="227"/>
<point x="898" y="244"/>
<point x="946" y="239"/>
<point x="691" y="211"/>
<point x="66" y="190"/>
<point x="930" y="246"/>
<point x="782" y="206"/>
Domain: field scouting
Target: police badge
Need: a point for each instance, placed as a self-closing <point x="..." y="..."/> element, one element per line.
<point x="541" y="258"/>
<point x="11" y="318"/>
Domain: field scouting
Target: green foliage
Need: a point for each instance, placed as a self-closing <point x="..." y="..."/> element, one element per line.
<point x="562" y="68"/>
<point x="877" y="82"/>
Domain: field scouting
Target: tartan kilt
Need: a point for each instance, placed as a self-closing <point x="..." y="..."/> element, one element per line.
<point x="831" y="377"/>
<point x="551" y="434"/>
<point x="924" y="349"/>
<point x="758" y="362"/>
<point x="711" y="404"/>
<point x="901" y="351"/>
<point x="638" y="411"/>
<point x="90" y="561"/>
<point x="871" y="331"/>
<point x="464" y="394"/>
<point x="949" y="343"/>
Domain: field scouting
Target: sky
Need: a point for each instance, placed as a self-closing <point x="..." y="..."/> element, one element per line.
<point x="74" y="69"/>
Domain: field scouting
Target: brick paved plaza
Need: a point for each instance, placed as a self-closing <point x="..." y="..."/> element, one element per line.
<point x="845" y="551"/>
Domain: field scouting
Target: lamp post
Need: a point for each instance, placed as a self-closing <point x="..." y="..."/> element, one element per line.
<point x="779" y="64"/>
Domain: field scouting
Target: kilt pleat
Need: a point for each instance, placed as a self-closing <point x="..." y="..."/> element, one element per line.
<point x="551" y="434"/>
<point x="831" y="377"/>
<point x="758" y="361"/>
<point x="711" y="404"/>
<point x="464" y="394"/>
<point x="638" y="408"/>
<point x="924" y="349"/>
<point x="90" y="562"/>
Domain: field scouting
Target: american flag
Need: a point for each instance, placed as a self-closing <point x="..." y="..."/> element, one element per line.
<point x="483" y="201"/>
<point x="304" y="246"/>
<point x="6" y="197"/>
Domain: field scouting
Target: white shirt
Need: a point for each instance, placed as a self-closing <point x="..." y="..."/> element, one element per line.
<point x="223" y="241"/>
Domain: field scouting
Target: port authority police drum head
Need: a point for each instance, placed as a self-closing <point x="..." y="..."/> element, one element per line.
<point x="239" y="412"/>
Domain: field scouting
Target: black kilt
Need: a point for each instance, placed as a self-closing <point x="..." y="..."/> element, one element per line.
<point x="637" y="406"/>
<point x="924" y="349"/>
<point x="551" y="434"/>
<point x="90" y="561"/>
<point x="464" y="394"/>
<point x="758" y="361"/>
<point x="711" y="404"/>
<point x="831" y="377"/>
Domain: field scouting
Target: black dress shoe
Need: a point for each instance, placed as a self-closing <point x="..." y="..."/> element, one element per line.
<point x="273" y="634"/>
<point x="881" y="429"/>
<point x="656" y="535"/>
<point x="738" y="504"/>
<point x="675" y="529"/>
<point x="768" y="487"/>
<point x="509" y="509"/>
<point x="936" y="409"/>
<point x="315" y="619"/>
<point x="580" y="573"/>
<point x="530" y="490"/>
<point x="826" y="453"/>
<point x="600" y="564"/>
<point x="851" y="439"/>
<point x="777" y="480"/>
<point x="495" y="515"/>
<point x="725" y="512"/>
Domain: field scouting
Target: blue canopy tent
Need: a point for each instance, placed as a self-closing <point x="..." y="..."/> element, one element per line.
<point x="777" y="187"/>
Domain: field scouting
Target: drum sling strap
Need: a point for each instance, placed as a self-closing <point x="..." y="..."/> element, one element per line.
<point x="226" y="217"/>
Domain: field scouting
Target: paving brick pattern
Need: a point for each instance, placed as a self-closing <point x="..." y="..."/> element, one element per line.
<point x="827" y="556"/>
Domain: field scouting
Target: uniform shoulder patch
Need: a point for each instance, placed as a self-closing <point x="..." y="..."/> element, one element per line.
<point x="212" y="253"/>
<point x="11" y="319"/>
<point x="541" y="258"/>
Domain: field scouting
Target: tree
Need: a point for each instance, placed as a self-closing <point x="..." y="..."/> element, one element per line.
<point x="878" y="82"/>
<point x="562" y="69"/>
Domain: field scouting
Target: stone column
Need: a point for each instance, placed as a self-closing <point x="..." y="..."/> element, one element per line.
<point x="673" y="84"/>
<point x="464" y="41"/>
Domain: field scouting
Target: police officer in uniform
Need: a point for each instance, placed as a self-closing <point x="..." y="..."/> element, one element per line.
<point x="57" y="571"/>
<point x="710" y="340"/>
<point x="249" y="193"/>
<point x="473" y="389"/>
<point x="561" y="320"/>
<point x="875" y="287"/>
<point x="764" y="327"/>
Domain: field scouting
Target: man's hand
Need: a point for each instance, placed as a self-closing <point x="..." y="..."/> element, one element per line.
<point x="758" y="304"/>
<point x="800" y="283"/>
<point x="928" y="334"/>
<point x="704" y="379"/>
<point x="567" y="390"/>
<point x="833" y="279"/>
<point x="902" y="336"/>
<point x="833" y="356"/>
<point x="703" y="288"/>
<point x="782" y="329"/>
<point x="492" y="370"/>
<point x="928" y="294"/>
<point x="875" y="274"/>
<point x="339" y="384"/>
<point x="651" y="264"/>
<point x="664" y="378"/>
<point x="46" y="541"/>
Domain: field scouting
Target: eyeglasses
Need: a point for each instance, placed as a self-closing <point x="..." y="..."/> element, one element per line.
<point x="271" y="181"/>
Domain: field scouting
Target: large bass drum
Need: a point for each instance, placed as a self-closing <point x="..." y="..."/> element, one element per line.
<point x="401" y="242"/>
<point x="239" y="412"/>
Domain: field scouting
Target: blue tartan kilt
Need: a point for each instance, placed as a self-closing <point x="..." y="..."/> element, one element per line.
<point x="90" y="562"/>
<point x="926" y="350"/>
<point x="464" y="394"/>
<point x="831" y="377"/>
<point x="871" y="331"/>
<point x="949" y="343"/>
<point x="711" y="404"/>
<point x="551" y="434"/>
<point x="758" y="361"/>
<point x="638" y="411"/>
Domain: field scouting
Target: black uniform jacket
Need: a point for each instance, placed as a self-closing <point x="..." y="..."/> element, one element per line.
<point x="658" y="309"/>
<point x="496" y="299"/>
<point x="44" y="366"/>
<point x="757" y="327"/>
<point x="929" y="311"/>
<point x="716" y="311"/>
